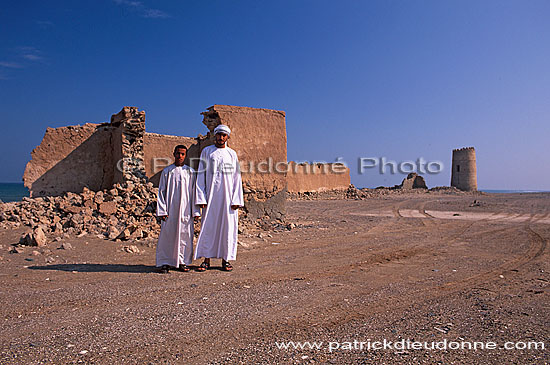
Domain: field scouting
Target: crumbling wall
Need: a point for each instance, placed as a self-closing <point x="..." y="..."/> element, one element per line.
<point x="95" y="156"/>
<point x="127" y="148"/>
<point x="413" y="181"/>
<point x="305" y="177"/>
<point x="69" y="159"/>
<point x="259" y="138"/>
<point x="100" y="156"/>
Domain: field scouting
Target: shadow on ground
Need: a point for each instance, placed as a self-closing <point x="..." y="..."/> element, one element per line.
<point x="98" y="268"/>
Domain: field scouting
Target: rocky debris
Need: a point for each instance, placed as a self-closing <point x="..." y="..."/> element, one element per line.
<point x="125" y="234"/>
<point x="132" y="232"/>
<point x="17" y="249"/>
<point x="131" y="249"/>
<point x="453" y="191"/>
<point x="353" y="193"/>
<point x="243" y="244"/>
<point x="112" y="232"/>
<point x="39" y="237"/>
<point x="35" y="238"/>
<point x="317" y="195"/>
<point x="108" y="208"/>
<point x="65" y="246"/>
<point x="126" y="211"/>
<point x="26" y="239"/>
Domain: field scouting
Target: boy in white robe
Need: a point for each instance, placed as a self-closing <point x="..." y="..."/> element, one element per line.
<point x="219" y="193"/>
<point x="176" y="209"/>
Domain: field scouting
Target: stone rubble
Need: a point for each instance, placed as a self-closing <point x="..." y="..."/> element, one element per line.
<point x="16" y="249"/>
<point x="124" y="213"/>
<point x="34" y="238"/>
<point x="353" y="193"/>
<point x="127" y="211"/>
<point x="131" y="249"/>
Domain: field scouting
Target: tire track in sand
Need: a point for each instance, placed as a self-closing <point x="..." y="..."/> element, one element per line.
<point x="340" y="313"/>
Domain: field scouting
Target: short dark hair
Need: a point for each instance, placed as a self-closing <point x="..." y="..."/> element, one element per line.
<point x="180" y="146"/>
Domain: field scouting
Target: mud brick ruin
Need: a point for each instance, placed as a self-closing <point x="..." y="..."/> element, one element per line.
<point x="99" y="156"/>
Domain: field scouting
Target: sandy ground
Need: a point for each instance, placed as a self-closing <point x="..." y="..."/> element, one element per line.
<point x="416" y="267"/>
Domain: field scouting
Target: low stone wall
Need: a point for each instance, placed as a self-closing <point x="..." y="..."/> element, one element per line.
<point x="305" y="177"/>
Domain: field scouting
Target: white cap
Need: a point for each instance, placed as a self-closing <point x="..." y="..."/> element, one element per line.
<point x="222" y="128"/>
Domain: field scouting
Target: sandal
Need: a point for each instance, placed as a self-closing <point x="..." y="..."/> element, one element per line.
<point x="204" y="266"/>
<point x="184" y="268"/>
<point x="164" y="269"/>
<point x="226" y="266"/>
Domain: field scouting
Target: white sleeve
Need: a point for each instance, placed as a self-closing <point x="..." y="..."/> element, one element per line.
<point x="162" y="206"/>
<point x="201" y="196"/>
<point x="237" y="196"/>
<point x="195" y="211"/>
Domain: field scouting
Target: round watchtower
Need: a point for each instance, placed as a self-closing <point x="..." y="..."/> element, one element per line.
<point x="464" y="171"/>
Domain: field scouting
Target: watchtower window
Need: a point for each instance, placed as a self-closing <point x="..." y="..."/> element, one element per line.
<point x="457" y="168"/>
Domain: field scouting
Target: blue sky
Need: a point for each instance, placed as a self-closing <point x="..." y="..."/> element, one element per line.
<point x="394" y="79"/>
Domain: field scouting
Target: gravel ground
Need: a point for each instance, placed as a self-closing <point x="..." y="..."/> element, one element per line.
<point x="345" y="273"/>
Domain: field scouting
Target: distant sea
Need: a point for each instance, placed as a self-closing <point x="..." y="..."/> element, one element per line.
<point x="11" y="192"/>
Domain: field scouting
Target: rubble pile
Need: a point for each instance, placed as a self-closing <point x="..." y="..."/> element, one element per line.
<point x="125" y="212"/>
<point x="453" y="191"/>
<point x="354" y="193"/>
<point x="350" y="193"/>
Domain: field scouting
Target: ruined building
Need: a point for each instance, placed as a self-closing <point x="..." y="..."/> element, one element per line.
<point x="97" y="156"/>
<point x="464" y="171"/>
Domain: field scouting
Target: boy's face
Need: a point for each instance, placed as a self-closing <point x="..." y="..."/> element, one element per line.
<point x="179" y="156"/>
